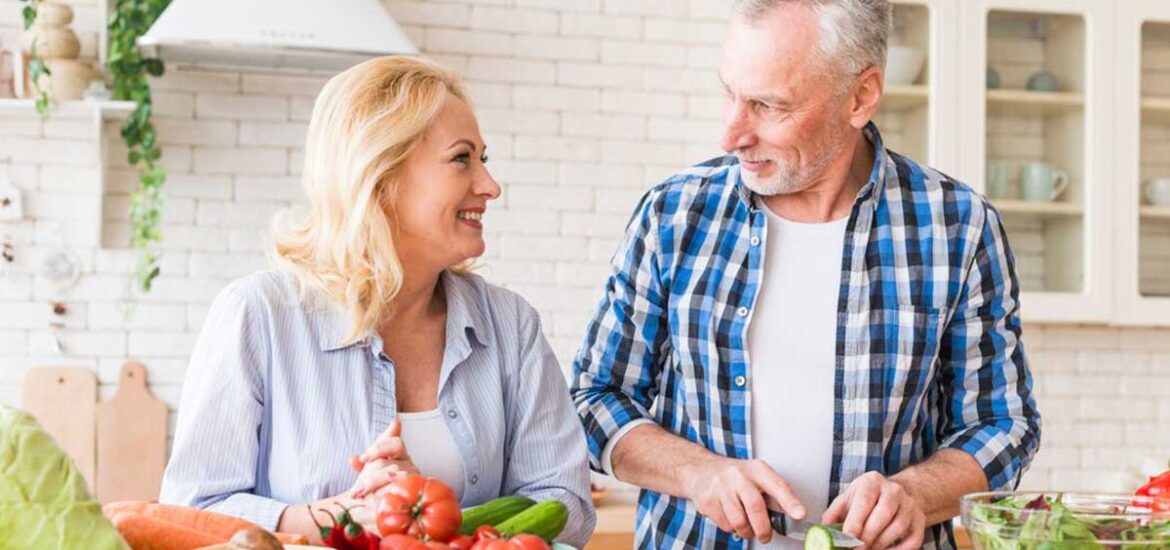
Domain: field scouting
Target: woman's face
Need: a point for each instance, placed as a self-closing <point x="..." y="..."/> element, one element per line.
<point x="444" y="191"/>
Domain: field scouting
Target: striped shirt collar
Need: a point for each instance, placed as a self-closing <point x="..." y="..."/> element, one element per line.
<point x="466" y="319"/>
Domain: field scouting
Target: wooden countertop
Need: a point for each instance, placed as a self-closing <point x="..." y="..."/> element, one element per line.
<point x="615" y="528"/>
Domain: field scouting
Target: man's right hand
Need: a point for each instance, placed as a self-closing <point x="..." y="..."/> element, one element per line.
<point x="736" y="495"/>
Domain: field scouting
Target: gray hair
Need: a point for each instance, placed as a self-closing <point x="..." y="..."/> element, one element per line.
<point x="854" y="32"/>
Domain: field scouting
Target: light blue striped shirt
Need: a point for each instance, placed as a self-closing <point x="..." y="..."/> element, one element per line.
<point x="274" y="404"/>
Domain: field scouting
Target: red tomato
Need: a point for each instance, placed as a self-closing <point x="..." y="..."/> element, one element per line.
<point x="491" y="544"/>
<point x="461" y="542"/>
<point x="528" y="542"/>
<point x="400" y="542"/>
<point x="518" y="542"/>
<point x="486" y="532"/>
<point x="421" y="507"/>
<point x="1159" y="490"/>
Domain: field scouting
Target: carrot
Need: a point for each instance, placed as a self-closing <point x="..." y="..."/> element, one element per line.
<point x="290" y="538"/>
<point x="220" y="525"/>
<point x="144" y="532"/>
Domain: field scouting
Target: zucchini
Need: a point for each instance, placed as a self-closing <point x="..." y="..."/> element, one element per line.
<point x="818" y="538"/>
<point x="545" y="520"/>
<point x="493" y="512"/>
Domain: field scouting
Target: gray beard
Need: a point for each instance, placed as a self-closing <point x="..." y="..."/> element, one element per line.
<point x="787" y="178"/>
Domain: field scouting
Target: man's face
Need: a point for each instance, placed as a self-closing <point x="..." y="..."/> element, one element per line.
<point x="784" y="110"/>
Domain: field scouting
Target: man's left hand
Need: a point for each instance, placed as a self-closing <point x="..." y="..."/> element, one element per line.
<point x="880" y="512"/>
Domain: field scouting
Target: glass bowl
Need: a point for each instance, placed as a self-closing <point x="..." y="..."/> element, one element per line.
<point x="1057" y="521"/>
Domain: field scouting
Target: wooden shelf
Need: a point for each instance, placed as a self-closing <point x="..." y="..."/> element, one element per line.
<point x="1042" y="209"/>
<point x="900" y="98"/>
<point x="1156" y="212"/>
<point x="1025" y="102"/>
<point x="1156" y="109"/>
<point x="73" y="109"/>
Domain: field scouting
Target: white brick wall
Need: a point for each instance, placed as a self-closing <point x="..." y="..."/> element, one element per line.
<point x="584" y="103"/>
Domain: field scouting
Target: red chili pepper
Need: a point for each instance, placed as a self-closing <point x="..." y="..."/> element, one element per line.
<point x="355" y="535"/>
<point x="325" y="532"/>
<point x="1157" y="489"/>
<point x="335" y="536"/>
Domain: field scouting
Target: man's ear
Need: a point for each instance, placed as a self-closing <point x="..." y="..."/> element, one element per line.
<point x="867" y="94"/>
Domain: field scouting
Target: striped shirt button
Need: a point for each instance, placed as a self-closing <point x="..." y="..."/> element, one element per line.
<point x="742" y="311"/>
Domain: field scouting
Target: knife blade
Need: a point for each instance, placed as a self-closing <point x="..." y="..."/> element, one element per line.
<point x="796" y="528"/>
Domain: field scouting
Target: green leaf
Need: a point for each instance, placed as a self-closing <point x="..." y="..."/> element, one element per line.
<point x="30" y="15"/>
<point x="154" y="67"/>
<point x="148" y="138"/>
<point x="42" y="105"/>
<point x="134" y="157"/>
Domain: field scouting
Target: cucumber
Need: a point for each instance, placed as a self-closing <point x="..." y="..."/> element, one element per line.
<point x="545" y="520"/>
<point x="818" y="538"/>
<point x="493" y="512"/>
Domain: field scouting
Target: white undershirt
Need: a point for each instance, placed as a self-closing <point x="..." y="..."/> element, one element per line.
<point x="432" y="448"/>
<point x="792" y="342"/>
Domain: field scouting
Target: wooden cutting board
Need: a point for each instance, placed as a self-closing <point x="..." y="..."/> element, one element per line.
<point x="131" y="440"/>
<point x="64" y="401"/>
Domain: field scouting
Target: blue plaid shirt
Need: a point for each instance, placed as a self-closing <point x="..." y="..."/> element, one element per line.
<point x="928" y="341"/>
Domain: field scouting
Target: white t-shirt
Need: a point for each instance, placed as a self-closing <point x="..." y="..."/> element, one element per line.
<point x="792" y="339"/>
<point x="432" y="448"/>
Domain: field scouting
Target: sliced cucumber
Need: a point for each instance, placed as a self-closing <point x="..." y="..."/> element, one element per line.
<point x="818" y="538"/>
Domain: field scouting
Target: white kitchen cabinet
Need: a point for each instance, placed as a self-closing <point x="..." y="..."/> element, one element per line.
<point x="1142" y="230"/>
<point x="1063" y="245"/>
<point x="911" y="114"/>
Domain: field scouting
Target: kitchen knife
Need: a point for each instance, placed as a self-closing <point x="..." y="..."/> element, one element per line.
<point x="796" y="529"/>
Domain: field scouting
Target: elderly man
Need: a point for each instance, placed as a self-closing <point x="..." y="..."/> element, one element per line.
<point x="812" y="324"/>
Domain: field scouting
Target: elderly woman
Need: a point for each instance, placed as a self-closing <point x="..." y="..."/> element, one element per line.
<point x="371" y="348"/>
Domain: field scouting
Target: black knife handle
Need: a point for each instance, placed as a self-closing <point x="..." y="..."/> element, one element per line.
<point x="780" y="523"/>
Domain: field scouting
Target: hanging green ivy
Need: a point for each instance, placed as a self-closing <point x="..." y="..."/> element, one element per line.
<point x="36" y="65"/>
<point x="128" y="70"/>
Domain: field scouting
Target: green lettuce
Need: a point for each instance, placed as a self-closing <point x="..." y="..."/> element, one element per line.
<point x="44" y="502"/>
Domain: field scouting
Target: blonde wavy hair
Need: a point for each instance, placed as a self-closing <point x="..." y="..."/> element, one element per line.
<point x="366" y="122"/>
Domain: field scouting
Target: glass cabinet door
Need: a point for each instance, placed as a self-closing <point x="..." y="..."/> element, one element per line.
<point x="1033" y="97"/>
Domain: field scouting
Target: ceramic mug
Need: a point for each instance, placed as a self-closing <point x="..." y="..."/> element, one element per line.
<point x="1157" y="191"/>
<point x="997" y="180"/>
<point x="1043" y="81"/>
<point x="1041" y="182"/>
<point x="992" y="78"/>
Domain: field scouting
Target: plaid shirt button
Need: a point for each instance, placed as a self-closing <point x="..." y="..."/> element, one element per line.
<point x="740" y="381"/>
<point x="755" y="241"/>
<point x="743" y="311"/>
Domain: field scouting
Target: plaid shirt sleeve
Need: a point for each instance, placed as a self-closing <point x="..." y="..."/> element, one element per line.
<point x="988" y="409"/>
<point x="615" y="374"/>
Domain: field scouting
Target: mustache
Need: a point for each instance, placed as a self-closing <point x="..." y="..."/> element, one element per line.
<point x="746" y="155"/>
